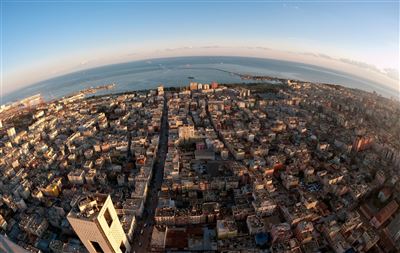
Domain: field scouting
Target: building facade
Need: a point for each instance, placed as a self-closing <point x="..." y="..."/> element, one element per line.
<point x="96" y="223"/>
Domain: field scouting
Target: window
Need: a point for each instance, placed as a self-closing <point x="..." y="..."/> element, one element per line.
<point x="122" y="247"/>
<point x="108" y="218"/>
<point x="96" y="246"/>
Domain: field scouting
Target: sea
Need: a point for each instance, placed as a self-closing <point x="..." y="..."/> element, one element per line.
<point x="180" y="71"/>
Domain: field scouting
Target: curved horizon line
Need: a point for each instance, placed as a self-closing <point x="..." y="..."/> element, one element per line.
<point x="199" y="56"/>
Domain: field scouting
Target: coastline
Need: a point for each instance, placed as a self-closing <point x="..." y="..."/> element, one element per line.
<point x="175" y="72"/>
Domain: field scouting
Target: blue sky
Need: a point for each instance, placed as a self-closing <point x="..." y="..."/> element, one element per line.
<point x="38" y="36"/>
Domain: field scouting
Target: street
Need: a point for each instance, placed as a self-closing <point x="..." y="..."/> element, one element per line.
<point x="142" y="235"/>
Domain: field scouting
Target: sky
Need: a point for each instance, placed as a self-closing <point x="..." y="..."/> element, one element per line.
<point x="43" y="39"/>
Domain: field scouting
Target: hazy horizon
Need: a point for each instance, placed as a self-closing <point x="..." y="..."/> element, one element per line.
<point x="42" y="40"/>
<point x="323" y="60"/>
<point x="174" y="71"/>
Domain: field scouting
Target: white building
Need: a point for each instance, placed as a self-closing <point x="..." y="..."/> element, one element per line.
<point x="160" y="90"/>
<point x="96" y="223"/>
<point x="77" y="176"/>
<point x="11" y="133"/>
<point x="186" y="132"/>
<point x="226" y="229"/>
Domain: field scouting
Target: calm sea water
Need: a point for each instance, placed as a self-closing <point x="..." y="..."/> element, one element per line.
<point x="147" y="74"/>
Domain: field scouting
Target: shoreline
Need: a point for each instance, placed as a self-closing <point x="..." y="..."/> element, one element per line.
<point x="175" y="71"/>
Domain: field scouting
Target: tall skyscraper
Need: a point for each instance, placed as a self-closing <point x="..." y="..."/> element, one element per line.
<point x="96" y="223"/>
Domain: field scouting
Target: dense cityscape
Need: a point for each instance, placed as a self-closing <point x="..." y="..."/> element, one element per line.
<point x="289" y="167"/>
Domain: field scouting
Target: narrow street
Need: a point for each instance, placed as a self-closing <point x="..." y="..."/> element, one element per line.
<point x="142" y="236"/>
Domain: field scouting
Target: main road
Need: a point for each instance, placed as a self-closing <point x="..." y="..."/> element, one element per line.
<point x="144" y="229"/>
